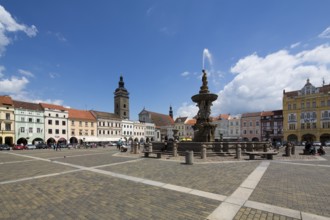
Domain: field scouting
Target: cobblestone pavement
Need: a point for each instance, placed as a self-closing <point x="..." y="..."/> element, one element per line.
<point x="104" y="184"/>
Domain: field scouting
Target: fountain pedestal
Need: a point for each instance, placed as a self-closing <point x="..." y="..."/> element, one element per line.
<point x="203" y="129"/>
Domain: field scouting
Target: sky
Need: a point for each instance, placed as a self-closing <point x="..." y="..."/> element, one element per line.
<point x="72" y="53"/>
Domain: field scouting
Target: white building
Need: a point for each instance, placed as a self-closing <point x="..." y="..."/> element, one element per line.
<point x="109" y="126"/>
<point x="29" y="123"/>
<point x="56" y="123"/>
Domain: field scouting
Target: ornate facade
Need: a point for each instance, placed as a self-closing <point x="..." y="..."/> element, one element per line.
<point x="306" y="114"/>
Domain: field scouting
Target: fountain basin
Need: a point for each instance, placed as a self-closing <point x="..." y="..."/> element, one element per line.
<point x="204" y="97"/>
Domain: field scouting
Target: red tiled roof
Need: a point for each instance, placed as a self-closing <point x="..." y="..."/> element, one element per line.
<point x="81" y="114"/>
<point x="160" y="119"/>
<point x="251" y="114"/>
<point x="6" y="100"/>
<point x="52" y="106"/>
<point x="269" y="113"/>
<point x="191" y="122"/>
<point x="27" y="105"/>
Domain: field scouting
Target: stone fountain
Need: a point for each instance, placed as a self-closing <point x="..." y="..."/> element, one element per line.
<point x="203" y="129"/>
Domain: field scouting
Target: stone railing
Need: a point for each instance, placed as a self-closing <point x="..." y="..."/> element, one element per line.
<point x="212" y="148"/>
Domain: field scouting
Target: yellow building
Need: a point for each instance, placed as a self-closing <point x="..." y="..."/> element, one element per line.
<point x="306" y="114"/>
<point x="82" y="126"/>
<point x="7" y="120"/>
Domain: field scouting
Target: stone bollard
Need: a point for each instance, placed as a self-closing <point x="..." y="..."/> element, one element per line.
<point x="288" y="150"/>
<point x="238" y="151"/>
<point x="135" y="150"/>
<point x="293" y="150"/>
<point x="203" y="153"/>
<point x="175" y="150"/>
<point x="189" y="157"/>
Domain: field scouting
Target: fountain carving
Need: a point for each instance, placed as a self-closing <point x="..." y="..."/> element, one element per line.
<point x="203" y="129"/>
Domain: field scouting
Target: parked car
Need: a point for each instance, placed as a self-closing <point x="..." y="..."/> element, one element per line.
<point x="327" y="143"/>
<point x="31" y="147"/>
<point x="317" y="144"/>
<point x="4" y="147"/>
<point x="41" y="146"/>
<point x="19" y="147"/>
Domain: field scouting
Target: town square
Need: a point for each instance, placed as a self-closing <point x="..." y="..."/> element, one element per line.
<point x="216" y="110"/>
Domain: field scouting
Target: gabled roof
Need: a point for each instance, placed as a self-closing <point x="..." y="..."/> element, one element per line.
<point x="52" y="106"/>
<point x="180" y="119"/>
<point x="6" y="100"/>
<point x="105" y="115"/>
<point x="27" y="105"/>
<point x="81" y="114"/>
<point x="159" y="119"/>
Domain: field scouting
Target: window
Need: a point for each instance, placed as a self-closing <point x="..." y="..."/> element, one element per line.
<point x="57" y="122"/>
<point x="38" y="120"/>
<point x="92" y="124"/>
<point x="63" y="123"/>
<point x="22" y="119"/>
<point x="72" y="132"/>
<point x="63" y="131"/>
<point x="289" y="106"/>
<point x="80" y="132"/>
<point x="30" y="119"/>
<point x="38" y="130"/>
<point x="92" y="132"/>
<point x="80" y="123"/>
<point x="8" y="127"/>
<point x="7" y="116"/>
<point x="294" y="106"/>
<point x="302" y="105"/>
<point x="50" y="122"/>
<point x="57" y="115"/>
<point x="314" y="104"/>
<point x="50" y="131"/>
<point x="322" y="103"/>
<point x="302" y="126"/>
<point x="72" y="123"/>
<point x="22" y="129"/>
<point x="30" y="130"/>
<point x="57" y="131"/>
<point x="86" y="124"/>
<point x="308" y="105"/>
<point x="257" y="123"/>
<point x="292" y="126"/>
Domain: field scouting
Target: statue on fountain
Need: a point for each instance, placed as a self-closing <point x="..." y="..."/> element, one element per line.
<point x="203" y="129"/>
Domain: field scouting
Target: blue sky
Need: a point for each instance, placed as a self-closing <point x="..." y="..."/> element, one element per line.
<point x="73" y="52"/>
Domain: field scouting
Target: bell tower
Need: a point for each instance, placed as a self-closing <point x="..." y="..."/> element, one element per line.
<point x="121" y="100"/>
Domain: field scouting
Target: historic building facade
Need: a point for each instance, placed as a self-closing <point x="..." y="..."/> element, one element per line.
<point x="234" y="127"/>
<point x="250" y="126"/>
<point x="109" y="126"/>
<point x="29" y="123"/>
<point x="7" y="120"/>
<point x="306" y="113"/>
<point x="82" y="126"/>
<point x="56" y="123"/>
<point x="272" y="126"/>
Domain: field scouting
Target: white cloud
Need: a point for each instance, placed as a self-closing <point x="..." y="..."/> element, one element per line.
<point x="13" y="85"/>
<point x="54" y="75"/>
<point x="8" y="24"/>
<point x="185" y="74"/>
<point x="186" y="110"/>
<point x="325" y="33"/>
<point x="295" y="45"/>
<point x="259" y="81"/>
<point x="26" y="73"/>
